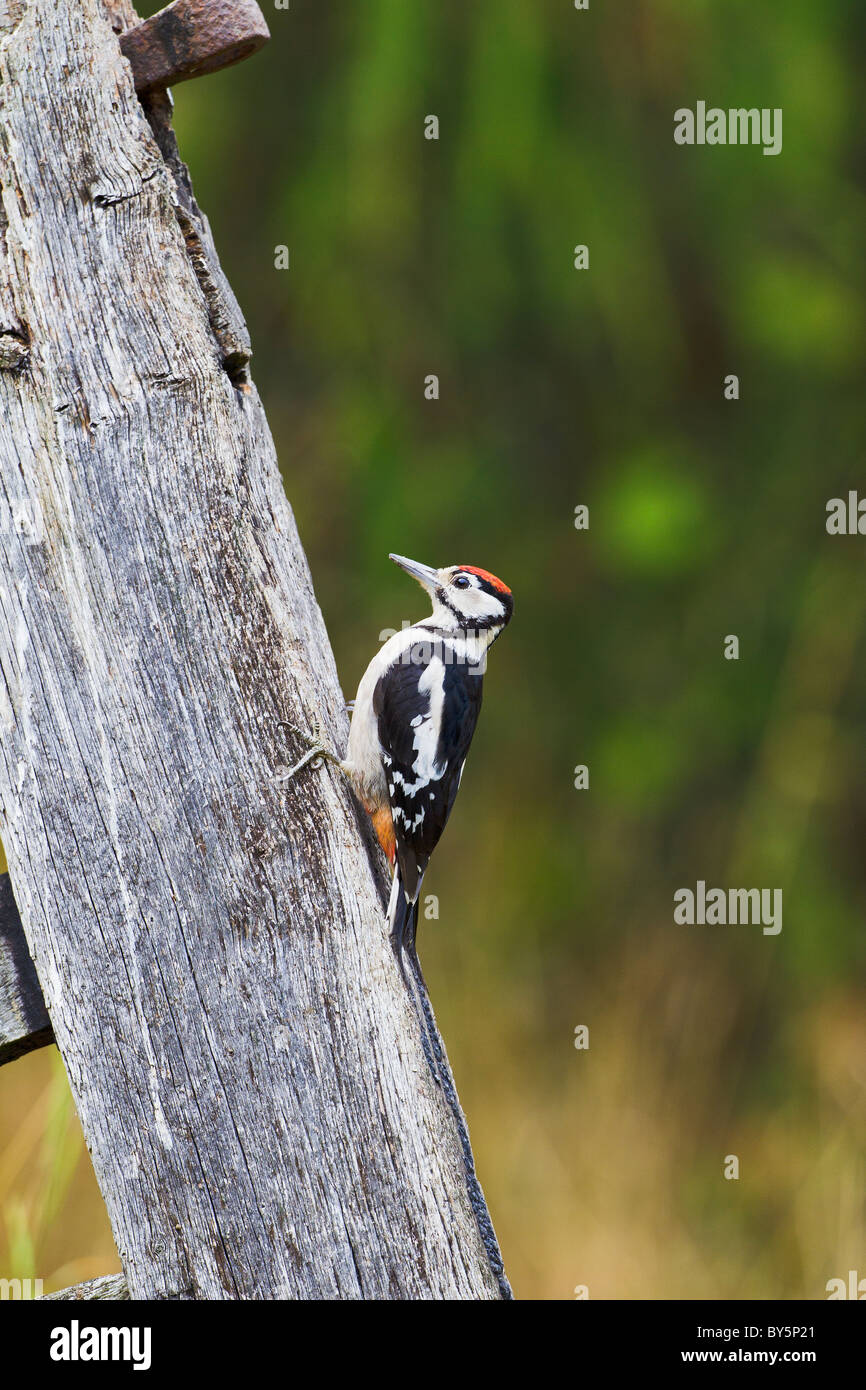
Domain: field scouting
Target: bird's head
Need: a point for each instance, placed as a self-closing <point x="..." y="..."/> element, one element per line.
<point x="464" y="598"/>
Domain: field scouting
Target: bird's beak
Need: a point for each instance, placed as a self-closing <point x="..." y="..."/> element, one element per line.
<point x="428" y="578"/>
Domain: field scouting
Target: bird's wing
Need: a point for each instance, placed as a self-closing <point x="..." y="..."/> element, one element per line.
<point x="426" y="717"/>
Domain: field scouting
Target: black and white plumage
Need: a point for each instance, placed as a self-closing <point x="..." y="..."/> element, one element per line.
<point x="425" y="718"/>
<point x="413" y="721"/>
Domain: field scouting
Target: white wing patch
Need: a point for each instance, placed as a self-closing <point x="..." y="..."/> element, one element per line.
<point x="425" y="739"/>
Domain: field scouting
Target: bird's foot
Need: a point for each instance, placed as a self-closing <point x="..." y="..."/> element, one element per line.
<point x="318" y="753"/>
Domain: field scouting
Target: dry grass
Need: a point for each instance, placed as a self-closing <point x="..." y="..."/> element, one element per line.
<point x="53" y="1224"/>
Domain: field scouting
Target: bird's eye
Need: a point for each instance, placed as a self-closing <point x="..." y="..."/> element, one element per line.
<point x="461" y="582"/>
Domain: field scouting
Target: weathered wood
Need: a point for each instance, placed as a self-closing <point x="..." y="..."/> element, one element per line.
<point x="109" y="1288"/>
<point x="24" y="1021"/>
<point x="244" y="1058"/>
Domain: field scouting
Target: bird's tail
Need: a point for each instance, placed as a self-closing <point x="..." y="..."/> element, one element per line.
<point x="403" y="924"/>
<point x="401" y="920"/>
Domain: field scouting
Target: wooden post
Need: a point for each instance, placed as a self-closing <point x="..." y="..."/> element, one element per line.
<point x="212" y="951"/>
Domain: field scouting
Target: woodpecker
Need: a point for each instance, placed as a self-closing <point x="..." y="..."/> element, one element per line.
<point x="413" y="719"/>
<point x="412" y="723"/>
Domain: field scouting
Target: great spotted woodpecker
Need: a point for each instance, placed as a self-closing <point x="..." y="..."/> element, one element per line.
<point x="412" y="723"/>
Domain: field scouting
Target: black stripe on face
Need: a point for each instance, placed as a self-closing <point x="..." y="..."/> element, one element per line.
<point x="442" y="596"/>
<point x="502" y="597"/>
<point x="469" y="622"/>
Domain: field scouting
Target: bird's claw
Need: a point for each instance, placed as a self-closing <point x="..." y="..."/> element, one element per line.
<point x="316" y="756"/>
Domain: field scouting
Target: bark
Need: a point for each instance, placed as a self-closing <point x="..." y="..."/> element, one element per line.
<point x="111" y="1288"/>
<point x="244" y="1058"/>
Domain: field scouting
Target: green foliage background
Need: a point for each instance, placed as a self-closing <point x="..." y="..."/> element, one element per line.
<point x="604" y="387"/>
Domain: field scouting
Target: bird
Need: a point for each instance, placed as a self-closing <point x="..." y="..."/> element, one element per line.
<point x="413" y="720"/>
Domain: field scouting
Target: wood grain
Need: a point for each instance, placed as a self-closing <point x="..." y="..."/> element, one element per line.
<point x="109" y="1288"/>
<point x="243" y="1056"/>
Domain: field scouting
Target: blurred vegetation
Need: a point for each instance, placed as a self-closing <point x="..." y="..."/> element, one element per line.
<point x="602" y="387"/>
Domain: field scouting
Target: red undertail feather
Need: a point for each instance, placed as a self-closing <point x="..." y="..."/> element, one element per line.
<point x="384" y="828"/>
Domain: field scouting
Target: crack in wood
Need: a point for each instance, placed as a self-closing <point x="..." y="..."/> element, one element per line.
<point x="224" y="313"/>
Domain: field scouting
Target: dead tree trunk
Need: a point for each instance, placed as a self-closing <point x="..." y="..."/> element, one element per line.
<point x="242" y="1053"/>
